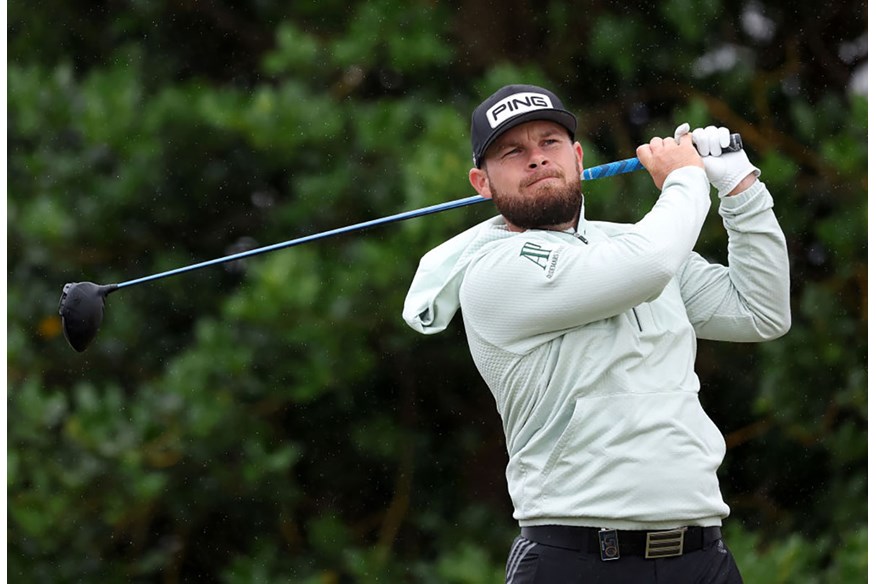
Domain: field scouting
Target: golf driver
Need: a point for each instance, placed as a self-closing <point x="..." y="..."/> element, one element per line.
<point x="82" y="303"/>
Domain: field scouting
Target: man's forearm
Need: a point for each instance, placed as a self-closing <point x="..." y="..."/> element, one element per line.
<point x="744" y="184"/>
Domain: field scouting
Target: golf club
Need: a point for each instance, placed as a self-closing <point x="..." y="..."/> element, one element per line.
<point x="82" y="303"/>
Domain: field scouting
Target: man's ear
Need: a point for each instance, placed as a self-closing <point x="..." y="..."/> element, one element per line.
<point x="579" y="154"/>
<point x="480" y="181"/>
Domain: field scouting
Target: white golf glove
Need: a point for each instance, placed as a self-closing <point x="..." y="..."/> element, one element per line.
<point x="724" y="169"/>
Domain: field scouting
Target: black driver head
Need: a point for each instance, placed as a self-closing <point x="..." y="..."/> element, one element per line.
<point x="81" y="310"/>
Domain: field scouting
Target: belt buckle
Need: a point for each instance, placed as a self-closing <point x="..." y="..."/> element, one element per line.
<point x="608" y="545"/>
<point x="664" y="544"/>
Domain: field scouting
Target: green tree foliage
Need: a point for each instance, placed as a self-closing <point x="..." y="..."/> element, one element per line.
<point x="273" y="420"/>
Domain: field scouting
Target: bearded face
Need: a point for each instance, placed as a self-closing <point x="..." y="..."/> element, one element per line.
<point x="540" y="203"/>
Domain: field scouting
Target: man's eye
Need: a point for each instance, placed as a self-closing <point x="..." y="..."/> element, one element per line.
<point x="510" y="152"/>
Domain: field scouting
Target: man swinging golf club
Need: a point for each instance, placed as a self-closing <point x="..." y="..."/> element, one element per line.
<point x="585" y="332"/>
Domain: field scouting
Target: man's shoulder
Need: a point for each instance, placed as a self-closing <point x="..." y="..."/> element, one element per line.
<point x="611" y="228"/>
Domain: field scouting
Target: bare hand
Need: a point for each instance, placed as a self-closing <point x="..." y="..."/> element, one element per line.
<point x="663" y="155"/>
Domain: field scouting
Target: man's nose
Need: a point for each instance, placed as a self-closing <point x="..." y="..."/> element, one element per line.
<point x="537" y="158"/>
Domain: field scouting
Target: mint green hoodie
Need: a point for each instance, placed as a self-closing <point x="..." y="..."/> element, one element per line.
<point x="587" y="341"/>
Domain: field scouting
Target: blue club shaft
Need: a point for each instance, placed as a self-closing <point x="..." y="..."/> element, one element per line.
<point x="308" y="238"/>
<point x="601" y="171"/>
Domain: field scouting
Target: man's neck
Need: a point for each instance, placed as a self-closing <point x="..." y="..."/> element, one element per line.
<point x="558" y="227"/>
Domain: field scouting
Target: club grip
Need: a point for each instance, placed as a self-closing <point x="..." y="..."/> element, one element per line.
<point x="735" y="144"/>
<point x="633" y="164"/>
<point x="611" y="169"/>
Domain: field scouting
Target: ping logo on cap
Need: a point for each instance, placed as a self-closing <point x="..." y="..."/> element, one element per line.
<point x="517" y="104"/>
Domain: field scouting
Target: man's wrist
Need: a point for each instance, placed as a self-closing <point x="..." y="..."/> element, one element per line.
<point x="744" y="184"/>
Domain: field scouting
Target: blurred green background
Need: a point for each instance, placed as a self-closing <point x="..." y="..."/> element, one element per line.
<point x="274" y="420"/>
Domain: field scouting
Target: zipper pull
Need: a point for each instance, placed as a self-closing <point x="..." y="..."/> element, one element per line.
<point x="581" y="237"/>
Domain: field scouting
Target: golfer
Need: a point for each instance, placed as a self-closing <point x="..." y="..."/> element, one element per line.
<point x="585" y="332"/>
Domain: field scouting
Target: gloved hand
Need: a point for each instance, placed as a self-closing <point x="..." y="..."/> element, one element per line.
<point x="724" y="169"/>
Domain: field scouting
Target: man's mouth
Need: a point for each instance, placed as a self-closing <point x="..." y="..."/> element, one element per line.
<point x="542" y="177"/>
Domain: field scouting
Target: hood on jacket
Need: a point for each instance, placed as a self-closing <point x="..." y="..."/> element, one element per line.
<point x="433" y="298"/>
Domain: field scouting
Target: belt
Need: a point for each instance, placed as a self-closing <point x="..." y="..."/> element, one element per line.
<point x="611" y="544"/>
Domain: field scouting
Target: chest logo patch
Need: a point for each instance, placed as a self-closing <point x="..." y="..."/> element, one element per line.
<point x="546" y="259"/>
<point x="536" y="254"/>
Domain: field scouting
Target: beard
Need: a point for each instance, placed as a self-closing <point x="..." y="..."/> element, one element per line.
<point x="546" y="206"/>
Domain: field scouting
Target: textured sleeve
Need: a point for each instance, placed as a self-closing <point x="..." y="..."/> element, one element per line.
<point x="749" y="299"/>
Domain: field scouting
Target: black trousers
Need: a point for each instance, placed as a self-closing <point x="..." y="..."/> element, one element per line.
<point x="530" y="562"/>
